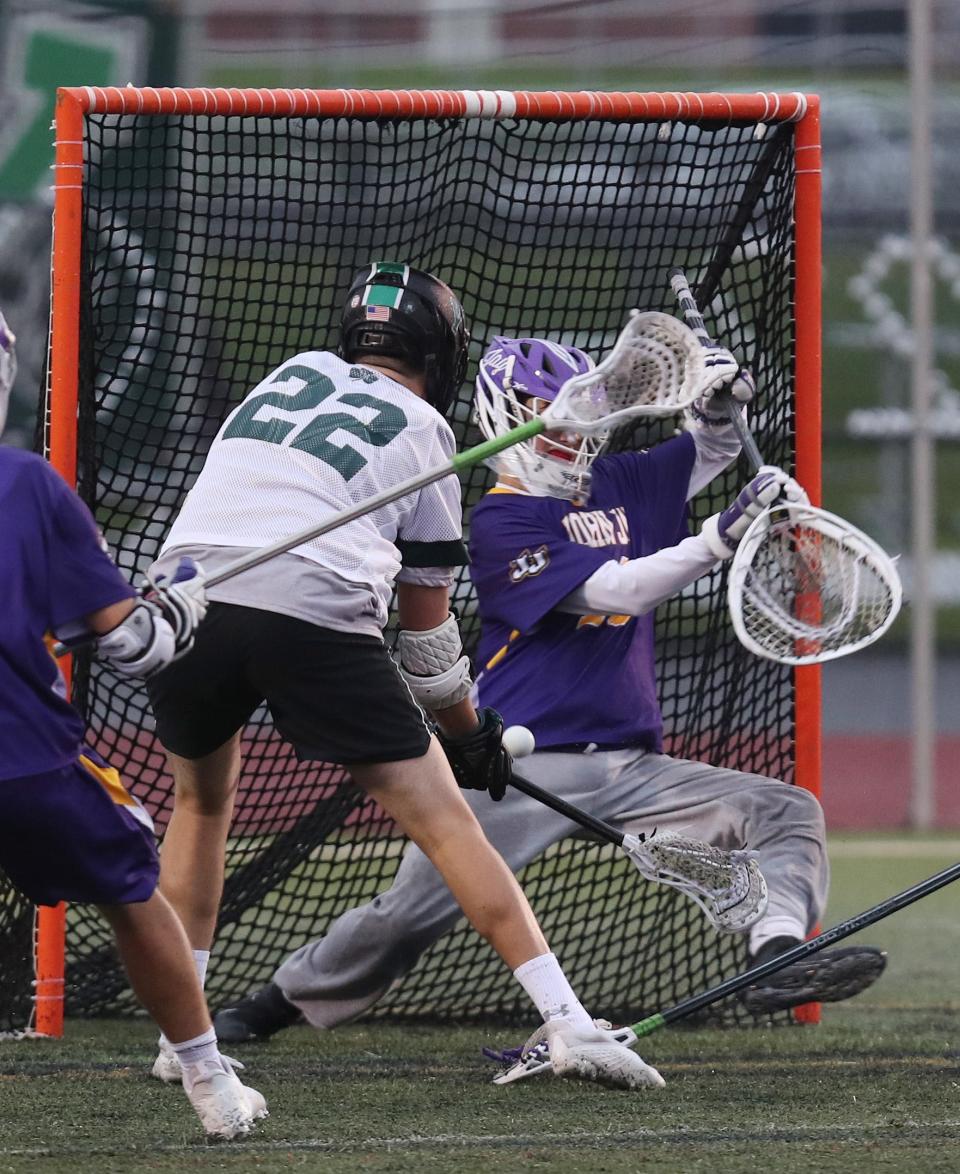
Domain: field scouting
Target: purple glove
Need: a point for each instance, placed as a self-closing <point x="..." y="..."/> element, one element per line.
<point x="724" y="530"/>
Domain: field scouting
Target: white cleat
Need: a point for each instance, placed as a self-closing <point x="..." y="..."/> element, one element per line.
<point x="166" y="1066"/>
<point x="594" y="1054"/>
<point x="227" y="1109"/>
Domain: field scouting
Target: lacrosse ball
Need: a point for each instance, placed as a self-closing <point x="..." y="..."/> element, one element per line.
<point x="519" y="741"/>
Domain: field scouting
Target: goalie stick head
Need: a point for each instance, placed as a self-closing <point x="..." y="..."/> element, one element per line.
<point x="8" y="368"/>
<point x="517" y="378"/>
<point x="399" y="312"/>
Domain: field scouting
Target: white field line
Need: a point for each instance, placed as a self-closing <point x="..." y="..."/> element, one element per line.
<point x="903" y="1130"/>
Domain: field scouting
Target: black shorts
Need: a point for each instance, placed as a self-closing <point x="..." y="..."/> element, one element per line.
<point x="335" y="696"/>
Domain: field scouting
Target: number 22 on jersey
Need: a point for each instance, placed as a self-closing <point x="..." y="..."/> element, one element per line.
<point x="254" y="422"/>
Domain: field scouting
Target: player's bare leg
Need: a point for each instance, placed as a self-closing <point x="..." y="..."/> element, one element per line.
<point x="192" y="861"/>
<point x="157" y="958"/>
<point x="424" y="799"/>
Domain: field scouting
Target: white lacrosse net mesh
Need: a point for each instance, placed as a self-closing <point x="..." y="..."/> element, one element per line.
<point x="728" y="886"/>
<point x="655" y="369"/>
<point x="806" y="586"/>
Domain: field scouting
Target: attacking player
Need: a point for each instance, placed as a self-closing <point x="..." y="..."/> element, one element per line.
<point x="69" y="831"/>
<point x="303" y="632"/>
<point x="570" y="553"/>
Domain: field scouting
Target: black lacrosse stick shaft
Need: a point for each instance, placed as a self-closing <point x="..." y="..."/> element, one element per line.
<point x="605" y="831"/>
<point x="836" y="934"/>
<point x="694" y="320"/>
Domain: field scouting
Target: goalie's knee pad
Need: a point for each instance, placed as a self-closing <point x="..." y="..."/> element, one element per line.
<point x="431" y="663"/>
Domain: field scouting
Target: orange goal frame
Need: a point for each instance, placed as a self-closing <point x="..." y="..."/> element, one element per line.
<point x="74" y="103"/>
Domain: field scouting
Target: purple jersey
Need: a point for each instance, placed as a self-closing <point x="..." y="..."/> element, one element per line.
<point x="574" y="679"/>
<point x="53" y="571"/>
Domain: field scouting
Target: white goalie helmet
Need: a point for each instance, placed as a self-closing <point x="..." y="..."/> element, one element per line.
<point x="514" y="374"/>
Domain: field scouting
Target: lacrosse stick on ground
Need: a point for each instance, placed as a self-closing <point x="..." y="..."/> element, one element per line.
<point x="805" y="586"/>
<point x="656" y="368"/>
<point x="728" y="886"/>
<point x="533" y="1061"/>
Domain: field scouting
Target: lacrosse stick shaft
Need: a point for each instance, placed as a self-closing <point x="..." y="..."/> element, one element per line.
<point x="694" y="319"/>
<point x="835" y="934"/>
<point x="604" y="830"/>
<point x="459" y="461"/>
<point x="462" y="460"/>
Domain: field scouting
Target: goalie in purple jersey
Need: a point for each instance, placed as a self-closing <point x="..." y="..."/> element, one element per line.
<point x="571" y="553"/>
<point x="69" y="830"/>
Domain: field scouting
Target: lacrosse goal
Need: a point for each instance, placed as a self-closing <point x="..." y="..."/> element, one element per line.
<point x="201" y="236"/>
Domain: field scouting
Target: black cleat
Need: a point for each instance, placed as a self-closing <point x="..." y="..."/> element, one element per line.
<point x="257" y="1017"/>
<point x="828" y="976"/>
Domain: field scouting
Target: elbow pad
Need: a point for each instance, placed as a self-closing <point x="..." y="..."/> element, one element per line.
<point x="141" y="645"/>
<point x="431" y="663"/>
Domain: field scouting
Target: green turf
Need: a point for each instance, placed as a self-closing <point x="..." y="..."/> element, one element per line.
<point x="874" y="1087"/>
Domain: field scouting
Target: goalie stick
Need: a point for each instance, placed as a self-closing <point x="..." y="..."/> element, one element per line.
<point x="805" y="586"/>
<point x="538" y="1059"/>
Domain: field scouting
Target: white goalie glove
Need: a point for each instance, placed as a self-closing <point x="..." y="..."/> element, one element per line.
<point x="162" y="625"/>
<point x="722" y="373"/>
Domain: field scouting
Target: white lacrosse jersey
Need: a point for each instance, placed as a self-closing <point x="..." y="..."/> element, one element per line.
<point x="316" y="436"/>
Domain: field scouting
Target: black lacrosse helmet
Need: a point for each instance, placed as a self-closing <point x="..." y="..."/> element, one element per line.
<point x="394" y="310"/>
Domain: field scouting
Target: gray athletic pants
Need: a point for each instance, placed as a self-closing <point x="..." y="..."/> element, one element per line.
<point x="366" y="949"/>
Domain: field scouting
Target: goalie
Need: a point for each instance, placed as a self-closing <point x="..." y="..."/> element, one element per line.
<point x="571" y="552"/>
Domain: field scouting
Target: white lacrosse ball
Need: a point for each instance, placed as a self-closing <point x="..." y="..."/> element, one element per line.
<point x="519" y="741"/>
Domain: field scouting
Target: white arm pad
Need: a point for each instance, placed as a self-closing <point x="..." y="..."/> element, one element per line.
<point x="638" y="585"/>
<point x="431" y="664"/>
<point x="716" y="446"/>
<point x="141" y="645"/>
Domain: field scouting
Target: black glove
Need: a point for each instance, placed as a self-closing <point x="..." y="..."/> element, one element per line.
<point x="480" y="761"/>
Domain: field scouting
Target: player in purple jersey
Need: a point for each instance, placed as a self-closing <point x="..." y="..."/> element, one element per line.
<point x="69" y="830"/>
<point x="570" y="554"/>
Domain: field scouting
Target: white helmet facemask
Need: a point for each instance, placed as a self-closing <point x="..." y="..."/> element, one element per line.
<point x="509" y="380"/>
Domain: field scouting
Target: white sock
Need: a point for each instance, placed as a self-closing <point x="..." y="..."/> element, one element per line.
<point x="781" y="926"/>
<point x="191" y="1053"/>
<point x="201" y="959"/>
<point x="551" y="993"/>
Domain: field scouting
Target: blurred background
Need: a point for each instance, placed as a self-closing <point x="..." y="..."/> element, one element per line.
<point x="888" y="74"/>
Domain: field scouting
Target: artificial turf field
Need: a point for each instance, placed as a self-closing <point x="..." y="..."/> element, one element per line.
<point x="875" y="1087"/>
